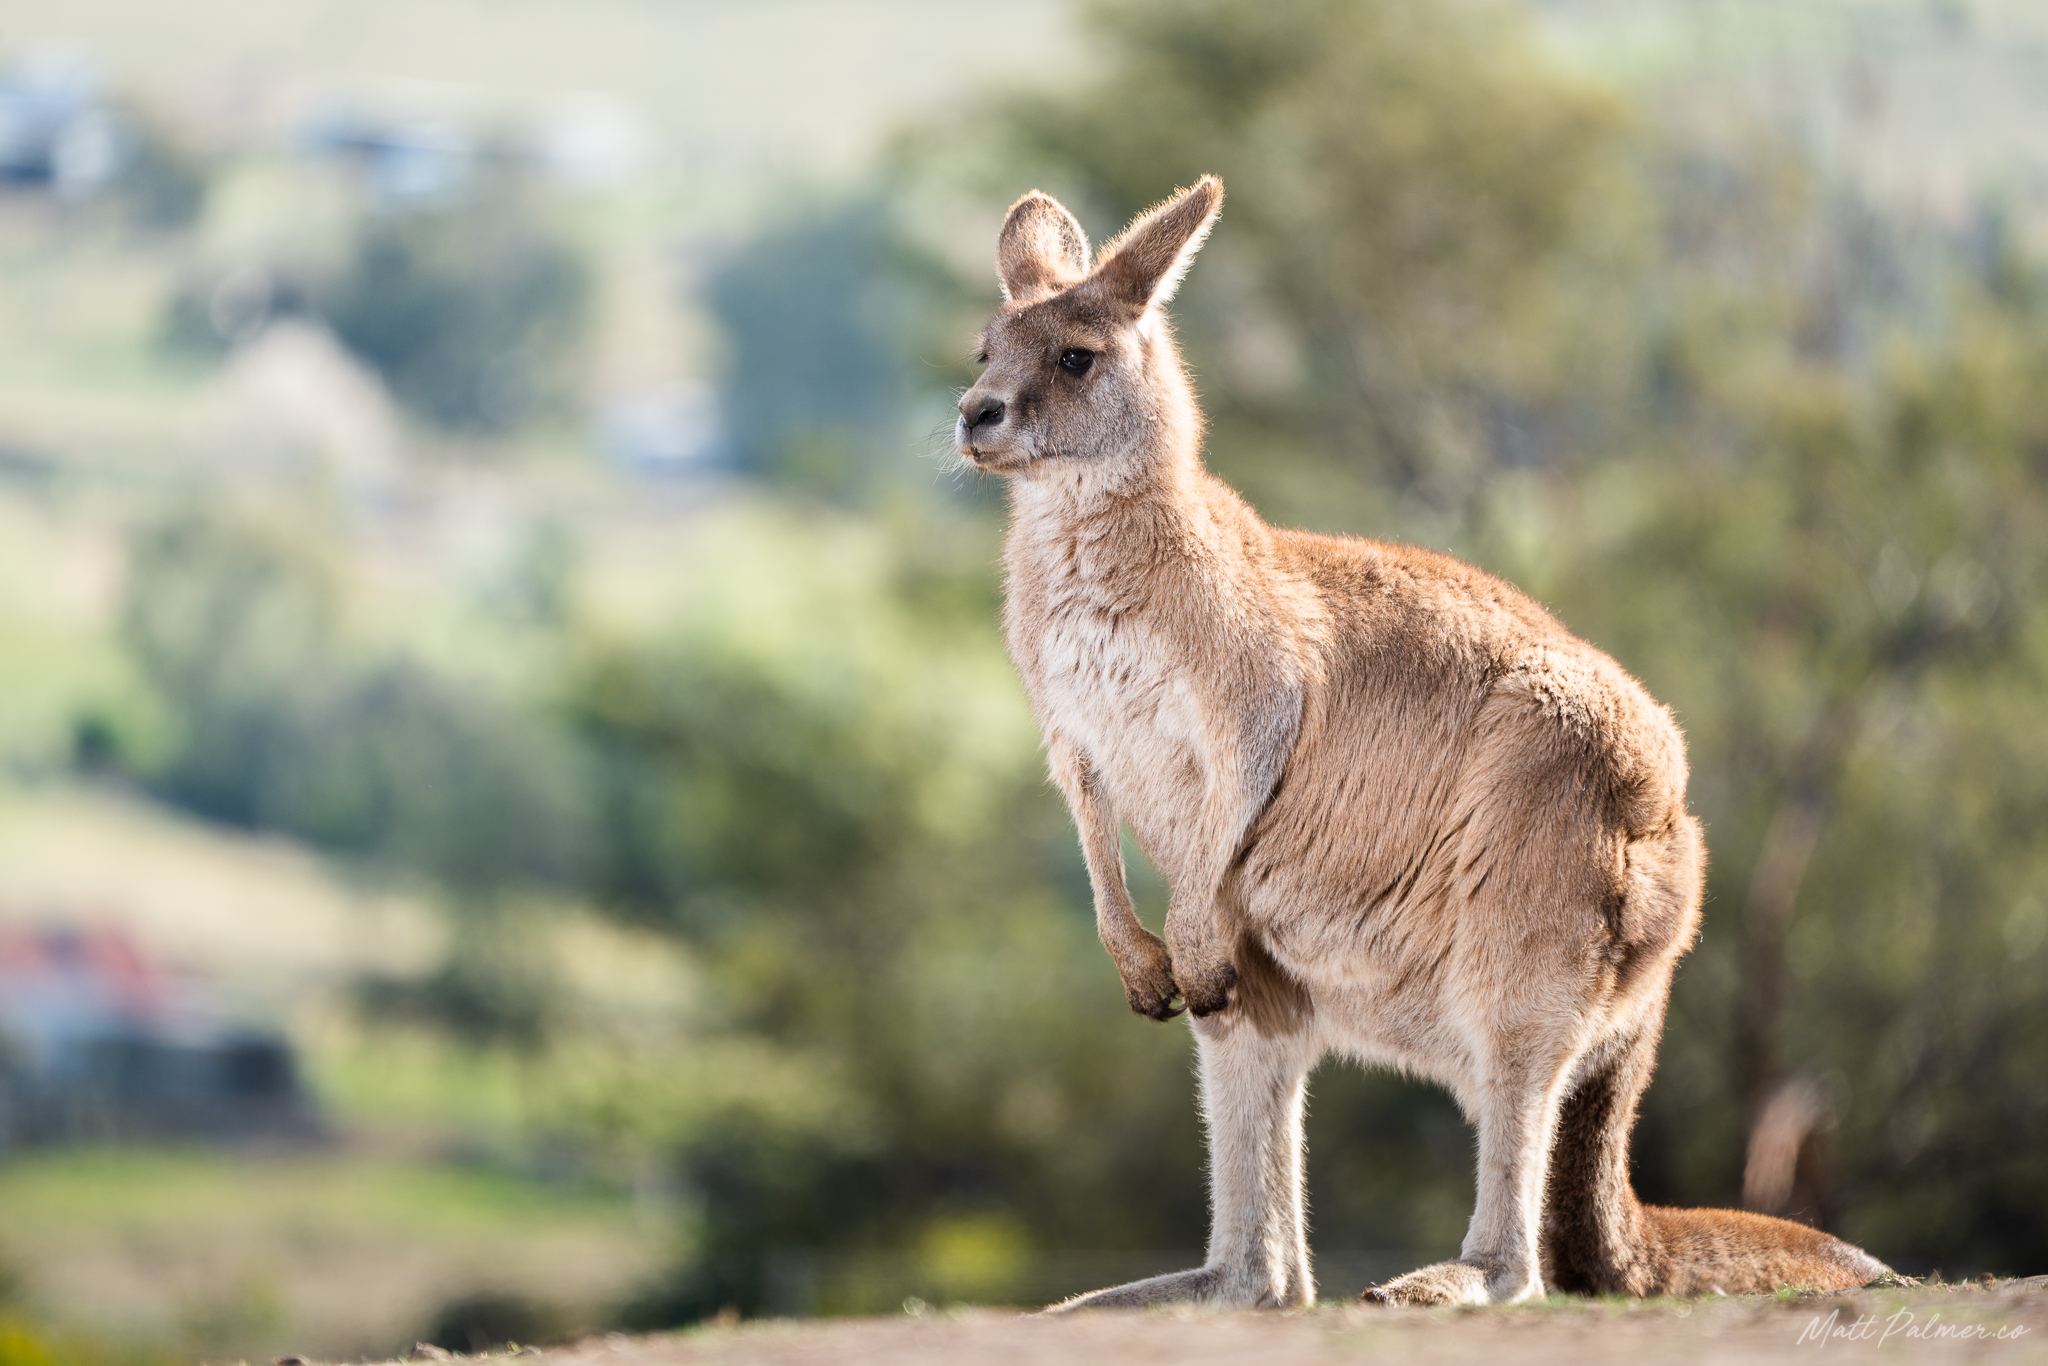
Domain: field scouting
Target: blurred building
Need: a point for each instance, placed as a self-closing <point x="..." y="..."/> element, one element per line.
<point x="426" y="151"/>
<point x="402" y="163"/>
<point x="97" y="1044"/>
<point x="55" y="130"/>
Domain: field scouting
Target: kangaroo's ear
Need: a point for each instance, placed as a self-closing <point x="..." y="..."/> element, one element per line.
<point x="1042" y="249"/>
<point x="1144" y="267"/>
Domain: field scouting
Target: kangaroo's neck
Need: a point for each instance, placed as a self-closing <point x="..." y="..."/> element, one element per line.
<point x="1143" y="473"/>
<point x="1089" y="521"/>
<point x="1164" y="538"/>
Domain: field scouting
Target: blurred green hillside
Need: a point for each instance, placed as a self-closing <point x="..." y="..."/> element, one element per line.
<point x="504" y="614"/>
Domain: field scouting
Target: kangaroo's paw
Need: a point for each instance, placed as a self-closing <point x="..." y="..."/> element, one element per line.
<point x="1147" y="970"/>
<point x="1204" y="1285"/>
<point x="1205" y="983"/>
<point x="1889" y="1279"/>
<point x="1447" y="1283"/>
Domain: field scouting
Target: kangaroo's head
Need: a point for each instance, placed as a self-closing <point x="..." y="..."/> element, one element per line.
<point x="1080" y="364"/>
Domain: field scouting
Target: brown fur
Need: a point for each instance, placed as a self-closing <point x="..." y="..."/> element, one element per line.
<point x="1404" y="814"/>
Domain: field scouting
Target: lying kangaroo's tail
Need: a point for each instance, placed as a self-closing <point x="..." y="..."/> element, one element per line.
<point x="1599" y="1239"/>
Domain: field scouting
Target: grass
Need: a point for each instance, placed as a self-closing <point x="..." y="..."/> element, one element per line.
<point x="328" y="1252"/>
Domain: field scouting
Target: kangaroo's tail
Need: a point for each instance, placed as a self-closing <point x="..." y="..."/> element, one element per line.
<point x="1599" y="1239"/>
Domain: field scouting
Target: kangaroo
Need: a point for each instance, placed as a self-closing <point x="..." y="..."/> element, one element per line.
<point x="1404" y="814"/>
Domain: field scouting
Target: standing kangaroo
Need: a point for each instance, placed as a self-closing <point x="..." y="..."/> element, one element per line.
<point x="1405" y="815"/>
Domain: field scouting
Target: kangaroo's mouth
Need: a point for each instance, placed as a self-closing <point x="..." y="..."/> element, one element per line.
<point x="994" y="459"/>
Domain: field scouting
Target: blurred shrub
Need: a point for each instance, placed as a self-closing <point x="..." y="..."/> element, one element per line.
<point x="277" y="724"/>
<point x="208" y="312"/>
<point x="472" y="313"/>
<point x="493" y="988"/>
<point x="476" y="1324"/>
<point x="21" y="1345"/>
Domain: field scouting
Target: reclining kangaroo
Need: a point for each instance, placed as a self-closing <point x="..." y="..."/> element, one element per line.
<point x="1404" y="814"/>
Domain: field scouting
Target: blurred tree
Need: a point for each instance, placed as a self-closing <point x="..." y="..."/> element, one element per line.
<point x="813" y="373"/>
<point x="1423" y="214"/>
<point x="472" y="313"/>
<point x="821" y="392"/>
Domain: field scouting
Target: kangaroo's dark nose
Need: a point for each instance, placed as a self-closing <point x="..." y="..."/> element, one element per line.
<point x="985" y="411"/>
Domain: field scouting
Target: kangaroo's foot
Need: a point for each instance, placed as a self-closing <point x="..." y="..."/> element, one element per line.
<point x="1180" y="1287"/>
<point x="1147" y="970"/>
<point x="1461" y="1282"/>
<point x="1213" y="1285"/>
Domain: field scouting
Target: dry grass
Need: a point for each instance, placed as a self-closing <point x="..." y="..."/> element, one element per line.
<point x="2002" y="1322"/>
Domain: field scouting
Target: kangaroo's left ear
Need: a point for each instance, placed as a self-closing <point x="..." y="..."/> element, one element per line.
<point x="1041" y="251"/>
<point x="1143" y="268"/>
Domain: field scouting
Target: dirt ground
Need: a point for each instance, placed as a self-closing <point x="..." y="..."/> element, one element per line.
<point x="2004" y="1322"/>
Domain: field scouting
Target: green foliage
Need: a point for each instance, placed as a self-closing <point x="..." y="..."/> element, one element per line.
<point x="469" y="312"/>
<point x="21" y="1346"/>
<point x="277" y="724"/>
<point x="812" y="373"/>
<point x="26" y="1343"/>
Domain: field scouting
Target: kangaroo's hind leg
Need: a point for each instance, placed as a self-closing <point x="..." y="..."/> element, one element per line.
<point x="1515" y="1105"/>
<point x="1254" y="1090"/>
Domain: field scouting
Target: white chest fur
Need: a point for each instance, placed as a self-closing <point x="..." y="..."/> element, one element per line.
<point x="1103" y="672"/>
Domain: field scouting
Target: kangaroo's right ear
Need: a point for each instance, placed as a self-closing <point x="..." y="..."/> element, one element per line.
<point x="1143" y="268"/>
<point x="1042" y="249"/>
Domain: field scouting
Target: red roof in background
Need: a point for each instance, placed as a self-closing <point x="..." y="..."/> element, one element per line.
<point x="93" y="961"/>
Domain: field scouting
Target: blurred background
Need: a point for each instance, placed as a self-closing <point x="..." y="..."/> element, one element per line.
<point x="514" y="817"/>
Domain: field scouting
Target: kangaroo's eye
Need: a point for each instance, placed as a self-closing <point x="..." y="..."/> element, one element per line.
<point x="981" y="358"/>
<point x="1075" y="361"/>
